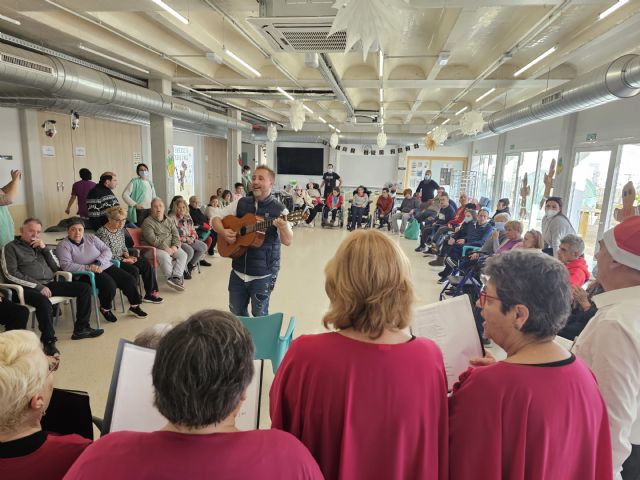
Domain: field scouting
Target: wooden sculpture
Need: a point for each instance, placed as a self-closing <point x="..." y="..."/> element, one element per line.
<point x="628" y="197"/>
<point x="525" y="191"/>
<point x="548" y="182"/>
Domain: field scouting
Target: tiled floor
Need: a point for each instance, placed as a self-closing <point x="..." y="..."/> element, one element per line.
<point x="87" y="364"/>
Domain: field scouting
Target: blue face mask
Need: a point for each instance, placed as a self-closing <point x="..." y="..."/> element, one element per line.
<point x="143" y="173"/>
<point x="500" y="226"/>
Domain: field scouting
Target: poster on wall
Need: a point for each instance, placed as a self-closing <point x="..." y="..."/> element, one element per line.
<point x="184" y="179"/>
<point x="416" y="171"/>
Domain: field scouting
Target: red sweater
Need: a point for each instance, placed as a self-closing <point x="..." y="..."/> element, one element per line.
<point x="459" y="217"/>
<point x="385" y="204"/>
<point x="578" y="272"/>
<point x="330" y="201"/>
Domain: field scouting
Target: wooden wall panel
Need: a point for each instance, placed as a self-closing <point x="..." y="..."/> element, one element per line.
<point x="216" y="175"/>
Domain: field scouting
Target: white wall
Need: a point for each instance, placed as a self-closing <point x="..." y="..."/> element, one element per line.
<point x="10" y="145"/>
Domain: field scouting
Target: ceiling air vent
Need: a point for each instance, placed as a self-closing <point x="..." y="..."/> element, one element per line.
<point x="300" y="34"/>
<point x="551" y="98"/>
<point x="23" y="63"/>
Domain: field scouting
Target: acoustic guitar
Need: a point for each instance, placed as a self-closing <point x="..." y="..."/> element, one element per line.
<point x="251" y="231"/>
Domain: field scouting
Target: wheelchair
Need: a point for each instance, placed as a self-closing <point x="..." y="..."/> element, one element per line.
<point x="339" y="218"/>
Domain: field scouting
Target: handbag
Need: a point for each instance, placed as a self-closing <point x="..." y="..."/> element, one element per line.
<point x="412" y="232"/>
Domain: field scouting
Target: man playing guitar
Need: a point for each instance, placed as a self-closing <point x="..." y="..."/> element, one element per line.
<point x="253" y="275"/>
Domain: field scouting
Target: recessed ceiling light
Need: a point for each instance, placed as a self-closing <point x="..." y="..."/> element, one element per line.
<point x="170" y="10"/>
<point x="338" y="130"/>
<point x="485" y="94"/>
<point x="536" y="60"/>
<point x="381" y="95"/>
<point x="612" y="8"/>
<point x="446" y="121"/>
<point x="461" y="110"/>
<point x="113" y="59"/>
<point x="380" y="63"/>
<point x="242" y="62"/>
<point x="322" y="120"/>
<point x="9" y="19"/>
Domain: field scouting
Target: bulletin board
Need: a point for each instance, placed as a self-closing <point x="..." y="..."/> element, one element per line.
<point x="442" y="169"/>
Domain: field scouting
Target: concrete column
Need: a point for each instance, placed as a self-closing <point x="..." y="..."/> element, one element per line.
<point x="32" y="161"/>
<point x="161" y="132"/>
<point x="234" y="149"/>
<point x="562" y="182"/>
<point x="500" y="159"/>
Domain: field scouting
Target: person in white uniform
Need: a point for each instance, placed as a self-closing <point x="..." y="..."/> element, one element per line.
<point x="610" y="343"/>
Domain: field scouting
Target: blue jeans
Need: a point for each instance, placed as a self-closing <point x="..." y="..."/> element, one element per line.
<point x="258" y="291"/>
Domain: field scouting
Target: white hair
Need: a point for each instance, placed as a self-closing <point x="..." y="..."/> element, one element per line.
<point x="23" y="372"/>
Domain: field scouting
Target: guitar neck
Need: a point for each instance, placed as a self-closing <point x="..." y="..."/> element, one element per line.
<point x="261" y="225"/>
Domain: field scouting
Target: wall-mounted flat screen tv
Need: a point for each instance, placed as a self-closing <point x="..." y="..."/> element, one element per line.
<point x="299" y="160"/>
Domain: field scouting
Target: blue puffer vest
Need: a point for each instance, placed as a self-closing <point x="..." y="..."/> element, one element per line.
<point x="265" y="260"/>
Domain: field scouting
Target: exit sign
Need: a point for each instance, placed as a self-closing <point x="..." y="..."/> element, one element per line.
<point x="591" y="137"/>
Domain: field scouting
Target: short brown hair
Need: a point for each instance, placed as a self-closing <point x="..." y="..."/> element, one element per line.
<point x="407" y="191"/>
<point x="514" y="225"/>
<point x="272" y="174"/>
<point x="369" y="296"/>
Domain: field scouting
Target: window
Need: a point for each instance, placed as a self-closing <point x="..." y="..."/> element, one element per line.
<point x="629" y="171"/>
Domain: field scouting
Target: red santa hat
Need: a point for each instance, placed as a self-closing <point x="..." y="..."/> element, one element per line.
<point x="623" y="242"/>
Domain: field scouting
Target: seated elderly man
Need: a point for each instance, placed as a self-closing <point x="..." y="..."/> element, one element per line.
<point x="571" y="253"/>
<point x="28" y="262"/>
<point x="27" y="376"/>
<point x="438" y="220"/>
<point x="409" y="206"/>
<point x="160" y="231"/>
<point x="200" y="405"/>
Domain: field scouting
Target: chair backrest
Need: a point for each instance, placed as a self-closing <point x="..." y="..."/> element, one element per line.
<point x="136" y="235"/>
<point x="265" y="332"/>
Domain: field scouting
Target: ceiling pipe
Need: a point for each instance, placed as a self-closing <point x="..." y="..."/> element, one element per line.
<point x="613" y="81"/>
<point x="59" y="78"/>
<point x="107" y="112"/>
<point x="327" y="71"/>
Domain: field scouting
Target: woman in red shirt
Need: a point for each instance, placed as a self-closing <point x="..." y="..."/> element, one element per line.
<point x="368" y="400"/>
<point x="26" y="383"/>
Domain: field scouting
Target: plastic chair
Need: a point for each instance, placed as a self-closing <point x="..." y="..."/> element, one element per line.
<point x="265" y="332"/>
<point x="469" y="248"/>
<point x="136" y="236"/>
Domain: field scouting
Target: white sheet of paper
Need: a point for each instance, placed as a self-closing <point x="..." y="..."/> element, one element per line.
<point x="133" y="407"/>
<point x="451" y="325"/>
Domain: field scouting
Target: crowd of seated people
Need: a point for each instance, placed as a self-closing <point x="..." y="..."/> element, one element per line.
<point x="333" y="422"/>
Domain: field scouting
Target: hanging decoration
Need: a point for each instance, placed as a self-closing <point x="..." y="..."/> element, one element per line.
<point x="440" y="134"/>
<point x="296" y="115"/>
<point x="548" y="182"/>
<point x="370" y="21"/>
<point x="333" y="140"/>
<point x="471" y="123"/>
<point x="272" y="133"/>
<point x="429" y="142"/>
<point x="381" y="139"/>
<point x="525" y="191"/>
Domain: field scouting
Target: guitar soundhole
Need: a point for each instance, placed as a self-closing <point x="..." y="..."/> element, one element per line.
<point x="243" y="231"/>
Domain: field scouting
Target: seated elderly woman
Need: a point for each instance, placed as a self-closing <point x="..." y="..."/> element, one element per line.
<point x="203" y="226"/>
<point x="26" y="385"/>
<point x="302" y="200"/>
<point x="489" y="247"/>
<point x="81" y="252"/>
<point x="532" y="240"/>
<point x="538" y="413"/>
<point x="200" y="404"/>
<point x="359" y="396"/>
<point x="114" y="236"/>
<point x="571" y="253"/>
<point x="189" y="242"/>
<point x="359" y="205"/>
<point x="513" y="237"/>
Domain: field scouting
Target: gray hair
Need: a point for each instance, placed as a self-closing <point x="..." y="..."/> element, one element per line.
<point x="156" y="200"/>
<point x="574" y="242"/>
<point x="202" y="368"/>
<point x="537" y="281"/>
<point x="150" y="337"/>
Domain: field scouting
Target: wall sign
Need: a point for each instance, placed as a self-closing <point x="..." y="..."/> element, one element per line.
<point x="6" y="157"/>
<point x="591" y="137"/>
<point x="80" y="151"/>
<point x="48" y="150"/>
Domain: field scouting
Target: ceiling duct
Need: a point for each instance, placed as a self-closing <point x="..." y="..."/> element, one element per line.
<point x="612" y="81"/>
<point x="62" y="79"/>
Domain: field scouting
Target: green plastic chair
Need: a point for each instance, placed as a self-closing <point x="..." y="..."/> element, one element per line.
<point x="265" y="332"/>
<point x="468" y="248"/>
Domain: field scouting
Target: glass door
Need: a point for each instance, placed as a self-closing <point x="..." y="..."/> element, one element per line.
<point x="537" y="192"/>
<point x="629" y="171"/>
<point x="509" y="178"/>
<point x="587" y="192"/>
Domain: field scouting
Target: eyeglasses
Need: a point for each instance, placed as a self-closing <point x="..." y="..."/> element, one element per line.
<point x="54" y="364"/>
<point x="482" y="299"/>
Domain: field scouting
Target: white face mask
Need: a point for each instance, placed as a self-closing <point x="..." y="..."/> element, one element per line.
<point x="551" y="213"/>
<point x="468" y="219"/>
<point x="427" y="177"/>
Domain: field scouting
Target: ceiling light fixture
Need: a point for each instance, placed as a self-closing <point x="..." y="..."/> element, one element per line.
<point x="191" y="89"/>
<point x="461" y="110"/>
<point x="380" y="63"/>
<point x="322" y="120"/>
<point x="612" y="9"/>
<point x="113" y="59"/>
<point x="382" y="111"/>
<point x="446" y="121"/>
<point x="332" y="127"/>
<point x="308" y="109"/>
<point x="443" y="58"/>
<point x="486" y="94"/>
<point x="9" y="19"/>
<point x="243" y="63"/>
<point x="533" y="62"/>
<point x="381" y="95"/>
<point x="170" y="10"/>
<point x="338" y="130"/>
<point x="286" y="94"/>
